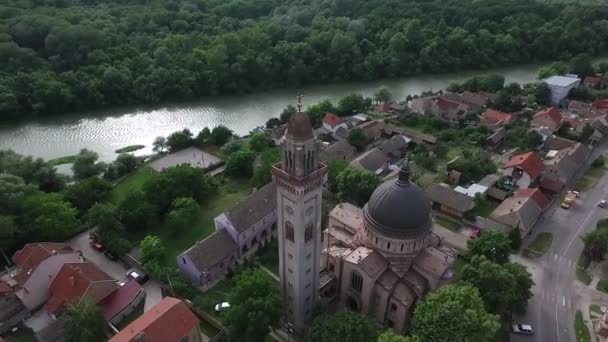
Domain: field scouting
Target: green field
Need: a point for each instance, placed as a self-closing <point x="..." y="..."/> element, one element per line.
<point x="131" y="182"/>
<point x="130" y="148"/>
<point x="582" y="269"/>
<point x="539" y="246"/>
<point x="62" y="160"/>
<point x="447" y="223"/>
<point x="582" y="333"/>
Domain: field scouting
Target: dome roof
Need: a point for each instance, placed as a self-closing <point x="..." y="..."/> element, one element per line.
<point x="299" y="127"/>
<point x="399" y="208"/>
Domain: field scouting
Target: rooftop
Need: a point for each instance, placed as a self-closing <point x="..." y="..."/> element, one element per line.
<point x="253" y="208"/>
<point x="210" y="251"/>
<point x="561" y="81"/>
<point x="529" y="162"/>
<point x="348" y="214"/>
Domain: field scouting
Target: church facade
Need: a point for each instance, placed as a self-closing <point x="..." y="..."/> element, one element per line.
<point x="381" y="259"/>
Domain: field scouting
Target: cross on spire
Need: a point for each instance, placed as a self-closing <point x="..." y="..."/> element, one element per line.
<point x="299" y="97"/>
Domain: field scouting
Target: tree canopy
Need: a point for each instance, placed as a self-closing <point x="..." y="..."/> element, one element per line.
<point x="356" y="185"/>
<point x="495" y="246"/>
<point x="85" y="322"/>
<point x="343" y="326"/>
<point x="70" y="55"/>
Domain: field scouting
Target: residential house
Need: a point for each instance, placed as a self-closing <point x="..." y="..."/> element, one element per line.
<point x="523" y="170"/>
<point x="341" y="150"/>
<point x="561" y="165"/>
<point x="384" y="107"/>
<point x="341" y="133"/>
<point x="493" y="192"/>
<point x="395" y="146"/>
<point x="333" y="122"/>
<point x="472" y="190"/>
<point x="168" y="321"/>
<point x="475" y="99"/>
<point x="423" y="105"/>
<point x="122" y="302"/>
<point x="600" y="104"/>
<point x="496" y="139"/>
<point x="374" y="161"/>
<point x="582" y="109"/>
<point x="560" y="87"/>
<point x="555" y="142"/>
<point x="448" y="201"/>
<point x="415" y="136"/>
<point x="372" y="129"/>
<point x="518" y="212"/>
<point x="239" y="232"/>
<point x="37" y="265"/>
<point x="450" y="110"/>
<point x="12" y="310"/>
<point x="550" y="119"/>
<point x="595" y="81"/>
<point x="76" y="281"/>
<point x="494" y="119"/>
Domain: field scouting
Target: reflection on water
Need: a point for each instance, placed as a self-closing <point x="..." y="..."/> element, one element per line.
<point x="108" y="130"/>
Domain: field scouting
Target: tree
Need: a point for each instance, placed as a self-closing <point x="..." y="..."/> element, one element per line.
<point x="382" y="95"/>
<point x="220" y="135"/>
<point x="182" y="215"/>
<point x="454" y="313"/>
<point x="581" y="65"/>
<point x="352" y="104"/>
<point x="542" y="94"/>
<point x="179" y="181"/>
<point x="49" y="217"/>
<point x="8" y="234"/>
<point x="287" y="113"/>
<point x="503" y="288"/>
<point x="159" y="145"/>
<point x="259" y="142"/>
<point x="495" y="246"/>
<point x="108" y="228"/>
<point x="596" y="245"/>
<point x="125" y="163"/>
<point x="85" y="193"/>
<point x="344" y="326"/>
<point x="203" y="136"/>
<point x="515" y="238"/>
<point x="389" y="336"/>
<point x="32" y="171"/>
<point x="84" y="322"/>
<point x="232" y="146"/>
<point x="357" y="138"/>
<point x="85" y="165"/>
<point x="356" y="185"/>
<point x="13" y="192"/>
<point x="152" y="248"/>
<point x="179" y="140"/>
<point x="273" y="122"/>
<point x="240" y="164"/>
<point x="334" y="168"/>
<point x="136" y="212"/>
<point x="255" y="305"/>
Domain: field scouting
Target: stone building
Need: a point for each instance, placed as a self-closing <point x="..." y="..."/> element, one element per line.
<point x="382" y="259"/>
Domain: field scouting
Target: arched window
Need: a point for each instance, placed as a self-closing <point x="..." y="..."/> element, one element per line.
<point x="289" y="231"/>
<point x="308" y="233"/>
<point x="356" y="281"/>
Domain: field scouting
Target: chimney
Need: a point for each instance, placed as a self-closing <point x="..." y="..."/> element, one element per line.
<point x="72" y="280"/>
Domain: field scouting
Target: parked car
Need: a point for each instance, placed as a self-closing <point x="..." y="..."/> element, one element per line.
<point x="602" y="204"/>
<point x="137" y="275"/>
<point x="576" y="193"/>
<point x="222" y="306"/>
<point x="523" y="329"/>
<point x="111" y="256"/>
<point x="475" y="231"/>
<point x="96" y="245"/>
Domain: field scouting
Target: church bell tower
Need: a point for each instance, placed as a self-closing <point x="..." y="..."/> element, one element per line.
<point x="298" y="179"/>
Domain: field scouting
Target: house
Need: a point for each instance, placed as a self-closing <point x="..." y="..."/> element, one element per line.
<point x="37" y="265"/>
<point x="549" y="118"/>
<point x="374" y="161"/>
<point x="415" y="136"/>
<point x="372" y="129"/>
<point x="494" y="119"/>
<point x="450" y="110"/>
<point x="582" y="109"/>
<point x="560" y="87"/>
<point x="395" y="146"/>
<point x="561" y="165"/>
<point x="239" y="231"/>
<point x="168" y="321"/>
<point x="341" y="133"/>
<point x="593" y="81"/>
<point x="474" y="99"/>
<point x="76" y="281"/>
<point x="473" y="190"/>
<point x="341" y="150"/>
<point x="344" y="221"/>
<point x="600" y="104"/>
<point x="423" y="105"/>
<point x="333" y="122"/>
<point x="524" y="169"/>
<point x="448" y="201"/>
<point x="555" y="142"/>
<point x="384" y="107"/>
<point x="493" y="192"/>
<point x="518" y="212"/>
<point x="123" y="301"/>
<point x="12" y="310"/>
<point x="495" y="140"/>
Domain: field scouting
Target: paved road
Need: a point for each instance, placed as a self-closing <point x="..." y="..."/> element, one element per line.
<point x="551" y="310"/>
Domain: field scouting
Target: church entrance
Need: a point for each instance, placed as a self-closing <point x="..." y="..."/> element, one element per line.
<point x="352" y="304"/>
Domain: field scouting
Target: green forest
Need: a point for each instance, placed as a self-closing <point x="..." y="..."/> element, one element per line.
<point x="67" y="55"/>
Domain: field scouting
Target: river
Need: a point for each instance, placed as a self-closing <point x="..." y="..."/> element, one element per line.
<point x="108" y="130"/>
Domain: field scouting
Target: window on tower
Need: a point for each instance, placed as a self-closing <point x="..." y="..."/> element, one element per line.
<point x="356" y="281"/>
<point x="289" y="231"/>
<point x="308" y="233"/>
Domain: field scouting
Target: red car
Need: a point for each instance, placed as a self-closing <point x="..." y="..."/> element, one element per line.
<point x="475" y="231"/>
<point x="96" y="245"/>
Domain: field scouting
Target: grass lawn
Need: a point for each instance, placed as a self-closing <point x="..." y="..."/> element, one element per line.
<point x="62" y="160"/>
<point x="582" y="333"/>
<point x="447" y="223"/>
<point x="268" y="256"/>
<point x="582" y="266"/>
<point x="130" y="148"/>
<point x="594" y="308"/>
<point x="539" y="246"/>
<point x="589" y="179"/>
<point x="602" y="285"/>
<point x="484" y="208"/>
<point x="24" y="334"/>
<point x="132" y="182"/>
<point x="230" y="193"/>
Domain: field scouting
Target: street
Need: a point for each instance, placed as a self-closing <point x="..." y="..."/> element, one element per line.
<point x="557" y="293"/>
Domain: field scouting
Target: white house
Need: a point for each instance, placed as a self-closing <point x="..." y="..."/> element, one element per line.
<point x="332" y="122"/>
<point x="560" y="87"/>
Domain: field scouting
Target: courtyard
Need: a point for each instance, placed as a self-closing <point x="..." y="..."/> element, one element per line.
<point x="192" y="156"/>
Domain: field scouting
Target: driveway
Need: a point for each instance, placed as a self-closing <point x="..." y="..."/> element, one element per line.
<point x="39" y="320"/>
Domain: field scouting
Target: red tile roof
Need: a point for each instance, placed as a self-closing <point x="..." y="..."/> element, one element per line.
<point x="535" y="194"/>
<point x="492" y="117"/>
<point x="384" y="107"/>
<point x="168" y="321"/>
<point x="601" y="104"/>
<point x="332" y="119"/>
<point x="592" y="81"/>
<point x="73" y="281"/>
<point x="5" y="289"/>
<point x="32" y="254"/>
<point x="529" y="162"/>
<point x="551" y="113"/>
<point x="121" y="298"/>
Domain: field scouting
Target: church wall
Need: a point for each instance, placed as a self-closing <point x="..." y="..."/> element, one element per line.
<point x="381" y="296"/>
<point x="434" y="282"/>
<point x="399" y="314"/>
<point x="364" y="297"/>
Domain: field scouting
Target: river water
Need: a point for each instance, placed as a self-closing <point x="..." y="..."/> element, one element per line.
<point x="106" y="131"/>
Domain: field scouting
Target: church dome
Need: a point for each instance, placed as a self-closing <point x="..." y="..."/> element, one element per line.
<point x="299" y="127"/>
<point x="399" y="208"/>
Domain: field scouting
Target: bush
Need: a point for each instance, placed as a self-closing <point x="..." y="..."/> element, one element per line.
<point x="599" y="162"/>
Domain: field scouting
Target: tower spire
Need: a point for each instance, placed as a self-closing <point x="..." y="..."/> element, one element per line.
<point x="404" y="172"/>
<point x="299" y="97"/>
